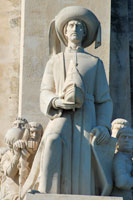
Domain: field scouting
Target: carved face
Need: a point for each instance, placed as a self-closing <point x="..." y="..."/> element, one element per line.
<point x="125" y="142"/>
<point x="75" y="31"/>
<point x="35" y="133"/>
<point x="34" y="138"/>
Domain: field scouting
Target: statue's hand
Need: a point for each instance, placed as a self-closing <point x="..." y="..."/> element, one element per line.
<point x="19" y="144"/>
<point x="102" y="135"/>
<point x="61" y="103"/>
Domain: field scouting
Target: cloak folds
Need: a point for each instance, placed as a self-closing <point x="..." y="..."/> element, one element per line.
<point x="66" y="161"/>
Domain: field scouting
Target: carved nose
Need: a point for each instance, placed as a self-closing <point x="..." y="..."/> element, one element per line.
<point x="74" y="27"/>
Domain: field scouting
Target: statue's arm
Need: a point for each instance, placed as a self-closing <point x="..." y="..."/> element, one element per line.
<point x="10" y="167"/>
<point x="47" y="93"/>
<point x="123" y="179"/>
<point x="103" y="102"/>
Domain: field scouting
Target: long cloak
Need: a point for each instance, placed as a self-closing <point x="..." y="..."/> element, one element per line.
<point x="72" y="167"/>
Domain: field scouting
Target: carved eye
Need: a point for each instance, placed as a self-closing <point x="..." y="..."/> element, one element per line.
<point x="71" y="25"/>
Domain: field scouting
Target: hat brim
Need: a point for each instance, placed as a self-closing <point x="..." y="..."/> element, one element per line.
<point x="77" y="13"/>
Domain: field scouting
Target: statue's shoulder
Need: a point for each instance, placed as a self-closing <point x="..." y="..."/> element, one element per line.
<point x="55" y="58"/>
<point x="92" y="57"/>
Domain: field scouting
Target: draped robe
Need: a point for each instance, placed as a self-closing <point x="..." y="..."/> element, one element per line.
<point x="65" y="159"/>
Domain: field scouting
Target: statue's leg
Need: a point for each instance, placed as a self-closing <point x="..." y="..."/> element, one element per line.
<point x="51" y="165"/>
<point x="55" y="171"/>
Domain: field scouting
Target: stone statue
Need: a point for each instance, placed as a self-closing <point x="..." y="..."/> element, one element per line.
<point x="123" y="165"/>
<point x="117" y="124"/>
<point x="23" y="141"/>
<point x="9" y="164"/>
<point x="75" y="96"/>
<point x="28" y="146"/>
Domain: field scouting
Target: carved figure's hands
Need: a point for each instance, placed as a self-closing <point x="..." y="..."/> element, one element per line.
<point x="102" y="135"/>
<point x="19" y="144"/>
<point x="61" y="103"/>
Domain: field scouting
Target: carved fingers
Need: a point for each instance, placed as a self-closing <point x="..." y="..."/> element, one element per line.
<point x="19" y="144"/>
<point x="101" y="135"/>
<point x="61" y="103"/>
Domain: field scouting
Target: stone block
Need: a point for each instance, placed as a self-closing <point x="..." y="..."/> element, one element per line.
<point x="67" y="197"/>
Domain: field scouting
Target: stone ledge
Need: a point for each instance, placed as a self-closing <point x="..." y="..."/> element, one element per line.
<point x="41" y="196"/>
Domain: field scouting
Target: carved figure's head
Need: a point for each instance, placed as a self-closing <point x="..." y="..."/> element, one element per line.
<point x="35" y="135"/>
<point x="125" y="139"/>
<point x="74" y="23"/>
<point x="75" y="31"/>
<point x="117" y="124"/>
<point x="20" y="123"/>
<point x="12" y="135"/>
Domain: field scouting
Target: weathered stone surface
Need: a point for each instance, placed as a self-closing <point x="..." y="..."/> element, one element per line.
<point x="34" y="47"/>
<point x="130" y="27"/>
<point x="119" y="61"/>
<point x="67" y="197"/>
<point x="9" y="63"/>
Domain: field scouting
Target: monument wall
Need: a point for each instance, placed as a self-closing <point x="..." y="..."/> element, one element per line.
<point x="9" y="63"/>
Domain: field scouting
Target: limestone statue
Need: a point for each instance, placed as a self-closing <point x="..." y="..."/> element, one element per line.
<point x="23" y="141"/>
<point x="28" y="146"/>
<point x="9" y="163"/>
<point x="75" y="96"/>
<point x="117" y="124"/>
<point x="123" y="165"/>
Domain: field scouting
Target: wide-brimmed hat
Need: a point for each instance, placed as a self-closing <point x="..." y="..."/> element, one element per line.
<point x="74" y="13"/>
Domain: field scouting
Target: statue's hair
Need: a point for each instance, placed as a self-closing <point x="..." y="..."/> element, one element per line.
<point x="119" y="123"/>
<point x="22" y="119"/>
<point x="126" y="130"/>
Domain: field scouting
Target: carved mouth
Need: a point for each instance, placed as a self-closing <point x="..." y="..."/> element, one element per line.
<point x="75" y="34"/>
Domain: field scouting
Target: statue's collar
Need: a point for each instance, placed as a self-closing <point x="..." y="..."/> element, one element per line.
<point x="70" y="50"/>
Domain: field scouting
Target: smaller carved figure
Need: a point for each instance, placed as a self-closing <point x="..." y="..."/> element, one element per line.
<point x="117" y="124"/>
<point x="27" y="147"/>
<point x="23" y="140"/>
<point x="123" y="165"/>
<point x="9" y="166"/>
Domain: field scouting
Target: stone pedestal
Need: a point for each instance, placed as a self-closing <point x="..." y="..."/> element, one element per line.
<point x="67" y="197"/>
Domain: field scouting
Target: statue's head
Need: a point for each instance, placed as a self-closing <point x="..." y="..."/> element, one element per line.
<point x="75" y="31"/>
<point x="117" y="124"/>
<point x="12" y="135"/>
<point x="87" y="26"/>
<point x="36" y="131"/>
<point x="20" y="123"/>
<point x="125" y="139"/>
<point x="35" y="134"/>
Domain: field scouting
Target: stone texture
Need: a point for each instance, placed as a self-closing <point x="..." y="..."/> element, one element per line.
<point x="9" y="63"/>
<point x="22" y="143"/>
<point x="34" y="47"/>
<point x="119" y="61"/>
<point x="130" y="29"/>
<point x="67" y="197"/>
